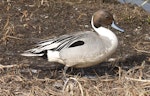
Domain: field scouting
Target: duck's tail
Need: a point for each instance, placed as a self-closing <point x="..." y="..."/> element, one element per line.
<point x="50" y="55"/>
<point x="40" y="50"/>
<point x="34" y="52"/>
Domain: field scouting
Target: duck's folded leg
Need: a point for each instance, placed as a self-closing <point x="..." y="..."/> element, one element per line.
<point x="65" y="70"/>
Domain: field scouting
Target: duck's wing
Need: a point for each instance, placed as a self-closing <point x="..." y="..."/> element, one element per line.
<point x="55" y="44"/>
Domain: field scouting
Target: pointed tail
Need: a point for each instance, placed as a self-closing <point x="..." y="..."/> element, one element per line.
<point x="33" y="52"/>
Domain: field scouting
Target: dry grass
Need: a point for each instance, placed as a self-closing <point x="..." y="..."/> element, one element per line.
<point x="134" y="82"/>
<point x="8" y="32"/>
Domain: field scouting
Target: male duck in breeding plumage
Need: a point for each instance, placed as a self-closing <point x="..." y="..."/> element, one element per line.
<point x="83" y="49"/>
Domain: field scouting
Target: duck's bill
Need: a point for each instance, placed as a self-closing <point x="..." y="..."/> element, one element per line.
<point x="113" y="25"/>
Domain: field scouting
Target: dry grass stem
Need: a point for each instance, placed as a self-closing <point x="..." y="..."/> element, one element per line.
<point x="8" y="66"/>
<point x="133" y="79"/>
<point x="139" y="48"/>
<point x="74" y="79"/>
<point x="7" y="30"/>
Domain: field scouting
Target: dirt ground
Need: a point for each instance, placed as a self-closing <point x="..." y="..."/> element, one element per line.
<point x="25" y="22"/>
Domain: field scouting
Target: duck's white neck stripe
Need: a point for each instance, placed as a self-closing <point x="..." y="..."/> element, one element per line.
<point x="100" y="30"/>
<point x="104" y="32"/>
<point x="92" y="23"/>
<point x="97" y="30"/>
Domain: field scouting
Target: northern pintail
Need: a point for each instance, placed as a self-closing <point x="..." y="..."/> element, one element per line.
<point x="83" y="49"/>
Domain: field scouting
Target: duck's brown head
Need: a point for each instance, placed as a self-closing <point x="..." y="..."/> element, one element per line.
<point x="104" y="18"/>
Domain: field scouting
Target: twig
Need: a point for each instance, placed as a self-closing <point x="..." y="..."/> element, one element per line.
<point x="139" y="80"/>
<point x="140" y="50"/>
<point x="7" y="23"/>
<point x="80" y="86"/>
<point x="12" y="66"/>
<point x="8" y="66"/>
<point x="144" y="2"/>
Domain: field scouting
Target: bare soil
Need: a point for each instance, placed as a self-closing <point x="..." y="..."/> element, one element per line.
<point x="25" y="22"/>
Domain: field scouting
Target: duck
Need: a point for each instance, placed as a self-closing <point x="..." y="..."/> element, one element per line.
<point x="81" y="49"/>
